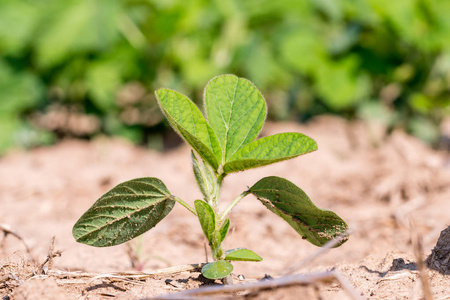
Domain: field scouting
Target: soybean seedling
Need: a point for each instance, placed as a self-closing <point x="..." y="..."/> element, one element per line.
<point x="223" y="143"/>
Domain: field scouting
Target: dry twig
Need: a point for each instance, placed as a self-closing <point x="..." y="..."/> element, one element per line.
<point x="268" y="284"/>
<point x="8" y="230"/>
<point x="318" y="253"/>
<point x="49" y="260"/>
<point x="130" y="275"/>
<point x="416" y="241"/>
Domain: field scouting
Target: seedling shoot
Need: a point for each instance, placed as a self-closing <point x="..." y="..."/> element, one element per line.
<point x="224" y="141"/>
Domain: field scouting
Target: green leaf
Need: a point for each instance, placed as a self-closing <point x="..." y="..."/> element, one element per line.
<point x="204" y="177"/>
<point x="188" y="121"/>
<point x="207" y="218"/>
<point x="19" y="91"/>
<point x="269" y="150"/>
<point x="306" y="41"/>
<point x="217" y="269"/>
<point x="243" y="255"/>
<point x="126" y="211"/>
<point x="288" y="201"/>
<point x="9" y="125"/>
<point x="236" y="112"/>
<point x="340" y="85"/>
<point x="25" y="17"/>
<point x="103" y="79"/>
<point x="224" y="230"/>
<point x="71" y="27"/>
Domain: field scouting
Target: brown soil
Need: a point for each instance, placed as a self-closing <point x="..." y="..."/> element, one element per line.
<point x="439" y="258"/>
<point x="392" y="190"/>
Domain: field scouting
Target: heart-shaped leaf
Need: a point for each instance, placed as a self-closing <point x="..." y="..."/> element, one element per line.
<point x="217" y="269"/>
<point x="269" y="150"/>
<point x="186" y="119"/>
<point x="207" y="219"/>
<point x="236" y="111"/>
<point x="243" y="255"/>
<point x="126" y="211"/>
<point x="288" y="201"/>
<point x="224" y="230"/>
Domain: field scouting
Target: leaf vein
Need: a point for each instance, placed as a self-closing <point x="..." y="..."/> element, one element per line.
<point x="248" y="132"/>
<point x="116" y="219"/>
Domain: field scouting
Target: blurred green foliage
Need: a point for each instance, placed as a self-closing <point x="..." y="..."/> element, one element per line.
<point x="83" y="67"/>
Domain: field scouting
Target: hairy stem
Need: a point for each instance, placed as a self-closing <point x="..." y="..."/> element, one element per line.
<point x="216" y="197"/>
<point x="232" y="205"/>
<point x="216" y="247"/>
<point x="190" y="208"/>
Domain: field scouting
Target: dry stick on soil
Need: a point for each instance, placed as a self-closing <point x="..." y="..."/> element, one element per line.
<point x="402" y="211"/>
<point x="416" y="241"/>
<point x="49" y="260"/>
<point x="128" y="277"/>
<point x="279" y="282"/>
<point x="131" y="275"/>
<point x="8" y="230"/>
<point x="112" y="278"/>
<point x="34" y="273"/>
<point x="318" y="253"/>
<point x="267" y="284"/>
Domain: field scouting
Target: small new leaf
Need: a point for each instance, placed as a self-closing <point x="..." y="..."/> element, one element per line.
<point x="236" y="111"/>
<point x="207" y="219"/>
<point x="204" y="177"/>
<point x="224" y="230"/>
<point x="126" y="211"/>
<point x="186" y="119"/>
<point x="269" y="150"/>
<point x="288" y="201"/>
<point x="243" y="255"/>
<point x="217" y="269"/>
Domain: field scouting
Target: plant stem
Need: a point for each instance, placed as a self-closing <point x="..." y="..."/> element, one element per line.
<point x="216" y="197"/>
<point x="232" y="205"/>
<point x="216" y="246"/>
<point x="190" y="208"/>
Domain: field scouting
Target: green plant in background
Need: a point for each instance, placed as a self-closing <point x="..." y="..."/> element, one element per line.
<point x="224" y="143"/>
<point x="102" y="58"/>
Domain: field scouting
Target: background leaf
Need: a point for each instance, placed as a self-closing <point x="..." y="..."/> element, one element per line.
<point x="307" y="57"/>
<point x="243" y="255"/>
<point x="24" y="16"/>
<point x="339" y="84"/>
<point x="188" y="121"/>
<point x="207" y="219"/>
<point x="217" y="269"/>
<point x="270" y="149"/>
<point x="102" y="81"/>
<point x="126" y="211"/>
<point x="236" y="112"/>
<point x="74" y="26"/>
<point x="19" y="92"/>
<point x="288" y="201"/>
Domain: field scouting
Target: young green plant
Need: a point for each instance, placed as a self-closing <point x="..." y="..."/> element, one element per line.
<point x="223" y="143"/>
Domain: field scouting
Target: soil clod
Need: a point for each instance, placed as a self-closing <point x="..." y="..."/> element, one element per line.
<point x="439" y="259"/>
